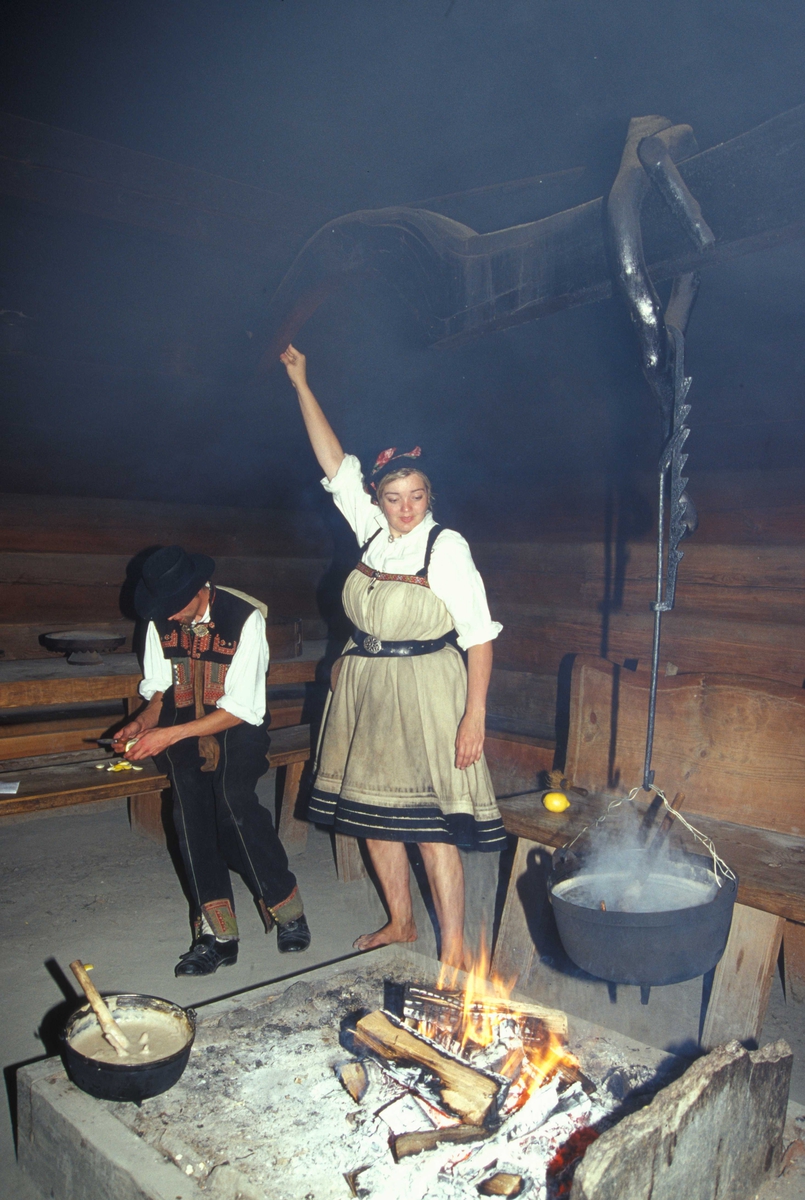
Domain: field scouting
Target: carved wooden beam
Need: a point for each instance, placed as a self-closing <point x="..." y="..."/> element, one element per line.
<point x="460" y="284"/>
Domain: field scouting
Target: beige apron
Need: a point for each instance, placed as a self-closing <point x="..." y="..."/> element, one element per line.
<point x="386" y="759"/>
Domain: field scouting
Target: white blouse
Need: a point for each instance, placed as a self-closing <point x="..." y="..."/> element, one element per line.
<point x="452" y="574"/>
<point x="245" y="684"/>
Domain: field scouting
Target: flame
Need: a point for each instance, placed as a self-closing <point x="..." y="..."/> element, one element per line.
<point x="531" y="1053"/>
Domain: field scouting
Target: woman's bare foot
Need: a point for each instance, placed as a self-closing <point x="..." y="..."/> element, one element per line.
<point x="385" y="936"/>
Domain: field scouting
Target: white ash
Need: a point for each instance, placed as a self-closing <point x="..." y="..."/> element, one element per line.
<point x="260" y="1111"/>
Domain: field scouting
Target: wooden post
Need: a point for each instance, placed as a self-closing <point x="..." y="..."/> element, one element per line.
<point x="292" y="831"/>
<point x="348" y="860"/>
<point x="145" y="815"/>
<point x="514" y="949"/>
<point x="743" y="978"/>
<point x="794" y="957"/>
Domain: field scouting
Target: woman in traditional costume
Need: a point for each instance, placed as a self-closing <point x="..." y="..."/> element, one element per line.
<point x="400" y="758"/>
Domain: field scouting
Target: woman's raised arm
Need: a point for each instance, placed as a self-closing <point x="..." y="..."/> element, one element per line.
<point x="326" y="446"/>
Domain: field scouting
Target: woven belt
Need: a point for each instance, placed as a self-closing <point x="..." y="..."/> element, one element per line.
<point x="368" y="646"/>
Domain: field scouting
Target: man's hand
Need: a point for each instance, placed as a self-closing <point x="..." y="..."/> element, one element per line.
<point x="125" y="734"/>
<point x="470" y="740"/>
<point x="295" y="364"/>
<point x="152" y="742"/>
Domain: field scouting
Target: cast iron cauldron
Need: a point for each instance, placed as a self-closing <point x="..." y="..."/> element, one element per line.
<point x="645" y="948"/>
<point x="117" y="1080"/>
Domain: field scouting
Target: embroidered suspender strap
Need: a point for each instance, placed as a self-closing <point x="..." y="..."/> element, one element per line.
<point x="369" y="646"/>
<point x="421" y="576"/>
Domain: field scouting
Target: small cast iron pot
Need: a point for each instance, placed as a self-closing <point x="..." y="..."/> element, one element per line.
<point x="119" y="1080"/>
<point x="645" y="948"/>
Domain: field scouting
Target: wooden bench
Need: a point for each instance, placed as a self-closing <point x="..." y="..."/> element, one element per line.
<point x="63" y="735"/>
<point x="41" y="684"/>
<point x="736" y="746"/>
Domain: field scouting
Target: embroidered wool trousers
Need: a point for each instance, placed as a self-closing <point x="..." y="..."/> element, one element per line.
<point x="221" y="825"/>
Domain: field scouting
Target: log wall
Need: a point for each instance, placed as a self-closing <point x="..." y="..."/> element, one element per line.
<point x="740" y="606"/>
<point x="565" y="589"/>
<point x="64" y="561"/>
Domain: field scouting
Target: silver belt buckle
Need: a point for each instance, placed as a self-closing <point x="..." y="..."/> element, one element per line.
<point x="372" y="645"/>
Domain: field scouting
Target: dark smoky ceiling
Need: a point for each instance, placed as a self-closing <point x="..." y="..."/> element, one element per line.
<point x="128" y="343"/>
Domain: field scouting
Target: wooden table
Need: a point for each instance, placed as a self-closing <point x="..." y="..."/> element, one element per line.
<point x="76" y="780"/>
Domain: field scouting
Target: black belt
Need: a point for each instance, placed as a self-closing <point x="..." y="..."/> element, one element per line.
<point x="368" y="646"/>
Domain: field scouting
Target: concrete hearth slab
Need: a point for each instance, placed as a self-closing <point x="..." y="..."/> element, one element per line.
<point x="76" y="1148"/>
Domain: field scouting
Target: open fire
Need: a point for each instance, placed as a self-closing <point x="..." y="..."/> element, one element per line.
<point x="280" y="1098"/>
<point x="485" y="1081"/>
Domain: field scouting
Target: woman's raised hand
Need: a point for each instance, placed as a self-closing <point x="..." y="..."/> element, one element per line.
<point x="326" y="445"/>
<point x="295" y="364"/>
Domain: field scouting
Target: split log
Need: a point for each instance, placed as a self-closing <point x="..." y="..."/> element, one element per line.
<point x="428" y="1139"/>
<point x="473" y="1095"/>
<point x="352" y="1178"/>
<point x="354" y="1077"/>
<point x="435" y="1004"/>
<point x="502" y="1183"/>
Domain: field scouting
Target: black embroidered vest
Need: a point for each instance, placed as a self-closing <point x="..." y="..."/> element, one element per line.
<point x="210" y="650"/>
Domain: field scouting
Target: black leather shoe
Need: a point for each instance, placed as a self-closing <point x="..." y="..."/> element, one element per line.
<point x="206" y="955"/>
<point x="293" y="935"/>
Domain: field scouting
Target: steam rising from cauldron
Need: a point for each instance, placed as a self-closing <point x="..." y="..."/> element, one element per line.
<point x="616" y="876"/>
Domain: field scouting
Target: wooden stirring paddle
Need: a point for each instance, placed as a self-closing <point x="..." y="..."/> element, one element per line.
<point x="109" y="1026"/>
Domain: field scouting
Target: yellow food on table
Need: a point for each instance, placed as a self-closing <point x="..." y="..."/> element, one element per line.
<point x="555" y="801"/>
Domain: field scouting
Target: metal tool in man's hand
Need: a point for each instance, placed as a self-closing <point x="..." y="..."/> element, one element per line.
<point x="112" y="742"/>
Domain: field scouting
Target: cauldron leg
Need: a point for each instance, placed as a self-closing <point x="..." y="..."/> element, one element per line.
<point x="645" y="992"/>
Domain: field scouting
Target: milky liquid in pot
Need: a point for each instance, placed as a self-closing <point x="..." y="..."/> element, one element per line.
<point x="166" y="1036"/>
<point x="621" y="892"/>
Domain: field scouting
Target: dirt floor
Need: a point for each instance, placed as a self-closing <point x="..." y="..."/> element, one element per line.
<point x="77" y="883"/>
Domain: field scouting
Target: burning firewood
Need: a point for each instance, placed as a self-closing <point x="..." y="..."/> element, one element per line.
<point x="471" y="1094"/>
<point x="502" y="1183"/>
<point x="427" y="1139"/>
<point x="434" y="1005"/>
<point x="355" y="1078"/>
<point x="568" y="1070"/>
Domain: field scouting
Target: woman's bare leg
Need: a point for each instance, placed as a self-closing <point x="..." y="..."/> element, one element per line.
<point x="446" y="878"/>
<point x="390" y="861"/>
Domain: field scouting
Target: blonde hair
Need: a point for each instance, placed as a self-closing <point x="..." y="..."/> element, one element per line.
<point x="403" y="473"/>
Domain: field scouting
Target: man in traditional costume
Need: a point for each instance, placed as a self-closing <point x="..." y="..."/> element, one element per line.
<point x="205" y="664"/>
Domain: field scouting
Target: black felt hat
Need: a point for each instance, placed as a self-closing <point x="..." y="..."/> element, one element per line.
<point x="170" y="579"/>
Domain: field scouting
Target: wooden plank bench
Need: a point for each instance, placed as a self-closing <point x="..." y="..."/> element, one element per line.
<point x="736" y="746"/>
<point x="56" y="684"/>
<point x="29" y="739"/>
